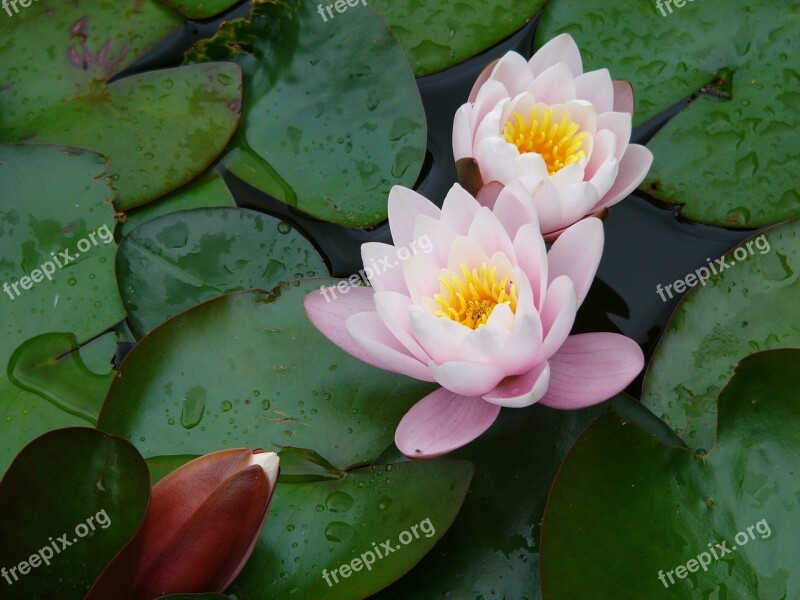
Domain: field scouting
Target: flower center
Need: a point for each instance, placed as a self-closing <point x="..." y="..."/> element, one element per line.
<point x="558" y="143"/>
<point x="472" y="296"/>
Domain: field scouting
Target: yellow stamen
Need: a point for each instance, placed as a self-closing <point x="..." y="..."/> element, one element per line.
<point x="559" y="144"/>
<point x="471" y="297"/>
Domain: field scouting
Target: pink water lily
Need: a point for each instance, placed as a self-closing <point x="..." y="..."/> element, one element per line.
<point x="563" y="132"/>
<point x="486" y="314"/>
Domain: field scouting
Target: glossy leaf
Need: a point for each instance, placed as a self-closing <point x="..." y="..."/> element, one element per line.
<point x="729" y="157"/>
<point x="438" y="36"/>
<point x="491" y="551"/>
<point x="207" y="191"/>
<point x="179" y="260"/>
<point x="81" y="297"/>
<point x="743" y="309"/>
<point x="158" y="129"/>
<point x="200" y="9"/>
<point x="740" y="500"/>
<point x="250" y="370"/>
<point x="315" y="527"/>
<point x="52" y="383"/>
<point x="76" y="497"/>
<point x="332" y="117"/>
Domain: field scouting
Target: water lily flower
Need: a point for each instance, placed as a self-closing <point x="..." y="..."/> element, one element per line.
<point x="205" y="518"/>
<point x="486" y="314"/>
<point x="564" y="132"/>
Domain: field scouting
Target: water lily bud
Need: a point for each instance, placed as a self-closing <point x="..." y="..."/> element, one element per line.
<point x="204" y="521"/>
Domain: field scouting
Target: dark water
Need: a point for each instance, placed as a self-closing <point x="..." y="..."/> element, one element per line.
<point x="646" y="244"/>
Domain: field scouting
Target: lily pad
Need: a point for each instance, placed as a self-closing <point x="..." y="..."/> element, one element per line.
<point x="729" y="158"/>
<point x="741" y="310"/>
<point x="315" y="527"/>
<point x="249" y="370"/>
<point x="158" y="129"/>
<point x="52" y="383"/>
<point x="65" y="219"/>
<point x="179" y="260"/>
<point x="491" y="551"/>
<point x="332" y="117"/>
<point x="74" y="497"/>
<point x="200" y="9"/>
<point x="714" y="525"/>
<point x="439" y="36"/>
<point x="207" y="191"/>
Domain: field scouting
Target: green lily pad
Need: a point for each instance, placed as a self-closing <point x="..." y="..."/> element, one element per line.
<point x="159" y="129"/>
<point x="207" y="191"/>
<point x="730" y="157"/>
<point x="182" y="259"/>
<point x="74" y="497"/>
<point x="741" y="310"/>
<point x="640" y="519"/>
<point x="439" y="36"/>
<point x="250" y="370"/>
<point x="195" y="597"/>
<point x="315" y="527"/>
<point x="332" y="117"/>
<point x="200" y="9"/>
<point x="52" y="383"/>
<point x="66" y="219"/>
<point x="491" y="551"/>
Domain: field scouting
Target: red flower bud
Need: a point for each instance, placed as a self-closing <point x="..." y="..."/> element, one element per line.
<point x="204" y="521"/>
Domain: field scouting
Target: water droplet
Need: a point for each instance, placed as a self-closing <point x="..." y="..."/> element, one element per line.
<point x="224" y="79"/>
<point x="265" y="404"/>
<point x="385" y="503"/>
<point x="290" y="527"/>
<point x="225" y="406"/>
<point x="171" y="422"/>
<point x="284" y="227"/>
<point x="72" y="281"/>
<point x="339" y="502"/>
<point x="194" y="407"/>
<point x="167" y="84"/>
<point x="339" y="532"/>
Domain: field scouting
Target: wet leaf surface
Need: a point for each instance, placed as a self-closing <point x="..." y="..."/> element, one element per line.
<point x="619" y="485"/>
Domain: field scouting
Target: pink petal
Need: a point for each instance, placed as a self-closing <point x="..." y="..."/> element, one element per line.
<point x="483" y="345"/>
<point x="547" y="201"/>
<point x="467" y="378"/>
<point x="577" y="201"/>
<point x="560" y="49"/>
<point x="488" y="98"/>
<point x="514" y="208"/>
<point x="555" y="85"/>
<point x="597" y="88"/>
<point x="368" y="331"/>
<point x="513" y="72"/>
<point x="392" y="308"/>
<point x="459" y="209"/>
<point x="577" y="253"/>
<point x="620" y="124"/>
<point x="481" y="80"/>
<point x="532" y="259"/>
<point x="604" y="146"/>
<point x="465" y="251"/>
<point x="404" y="206"/>
<point x="590" y="368"/>
<point x="496" y="159"/>
<point x="632" y="170"/>
<point x="490" y="234"/>
<point x="488" y="194"/>
<point x="421" y="276"/>
<point x="523" y="344"/>
<point x="380" y="261"/>
<point x="440" y="337"/>
<point x="557" y="314"/>
<point x="521" y="390"/>
<point x="623" y="97"/>
<point x="329" y="317"/>
<point x="462" y="132"/>
<point x="434" y="236"/>
<point x="441" y="422"/>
